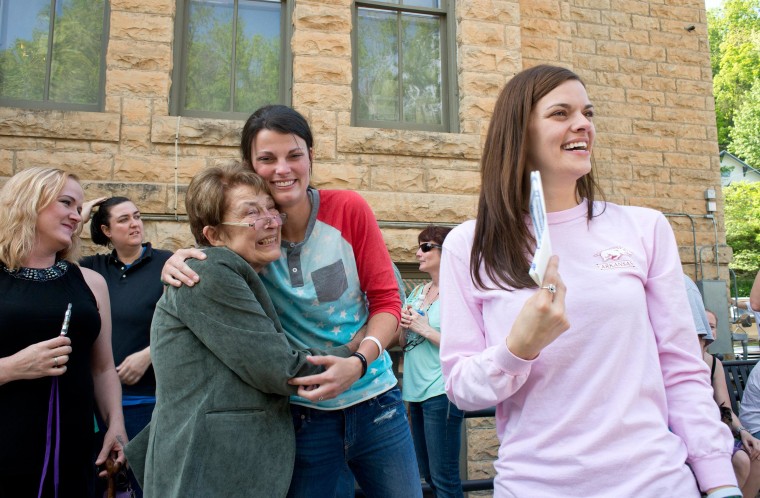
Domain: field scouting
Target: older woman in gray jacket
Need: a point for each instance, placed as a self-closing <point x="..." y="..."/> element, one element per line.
<point x="222" y="425"/>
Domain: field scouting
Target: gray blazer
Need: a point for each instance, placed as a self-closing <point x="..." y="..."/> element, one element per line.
<point x="222" y="424"/>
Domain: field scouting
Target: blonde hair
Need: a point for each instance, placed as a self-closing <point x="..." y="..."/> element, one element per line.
<point x="21" y="200"/>
<point x="206" y="199"/>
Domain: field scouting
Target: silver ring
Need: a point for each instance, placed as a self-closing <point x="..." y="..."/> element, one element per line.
<point x="551" y="288"/>
<point x="55" y="361"/>
<point x="321" y="398"/>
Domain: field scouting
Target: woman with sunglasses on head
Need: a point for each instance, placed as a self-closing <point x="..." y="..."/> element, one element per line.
<point x="222" y="426"/>
<point x="598" y="383"/>
<point x="436" y="421"/>
<point x="334" y="276"/>
<point x="56" y="364"/>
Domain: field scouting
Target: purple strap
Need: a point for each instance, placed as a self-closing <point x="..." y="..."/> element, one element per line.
<point x="53" y="395"/>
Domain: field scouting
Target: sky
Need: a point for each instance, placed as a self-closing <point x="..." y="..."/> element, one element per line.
<point x="709" y="4"/>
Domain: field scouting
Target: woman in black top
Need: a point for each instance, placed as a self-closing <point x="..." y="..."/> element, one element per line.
<point x="133" y="274"/>
<point x="49" y="383"/>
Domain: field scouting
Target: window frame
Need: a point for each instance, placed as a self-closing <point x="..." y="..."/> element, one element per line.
<point x="449" y="83"/>
<point x="179" y="71"/>
<point x="46" y="103"/>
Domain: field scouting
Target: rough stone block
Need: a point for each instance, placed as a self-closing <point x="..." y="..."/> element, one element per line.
<point x="637" y="157"/>
<point x="426" y="208"/>
<point x="452" y="181"/>
<point x="138" y="26"/>
<point x="323" y="97"/>
<point x="138" y="83"/>
<point x="398" y="179"/>
<point x="73" y="125"/>
<point x="481" y="84"/>
<point x="198" y="131"/>
<point x="165" y="7"/>
<point x="630" y="6"/>
<point x="322" y="70"/>
<point x="340" y="176"/>
<point x="325" y="18"/>
<point x="628" y="34"/>
<point x="143" y="55"/>
<point x="7" y="162"/>
<point x="155" y="169"/>
<point x="413" y="143"/>
<point x="542" y="48"/>
<point x="322" y="44"/>
<point x="481" y="33"/>
<point x="88" y="165"/>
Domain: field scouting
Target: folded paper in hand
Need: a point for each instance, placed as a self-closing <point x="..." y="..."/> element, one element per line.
<point x="540" y="228"/>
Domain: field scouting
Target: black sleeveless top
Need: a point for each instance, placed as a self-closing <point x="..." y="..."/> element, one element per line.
<point x="32" y="307"/>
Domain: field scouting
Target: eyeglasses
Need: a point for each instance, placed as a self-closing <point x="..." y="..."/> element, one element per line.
<point x="273" y="220"/>
<point x="429" y="246"/>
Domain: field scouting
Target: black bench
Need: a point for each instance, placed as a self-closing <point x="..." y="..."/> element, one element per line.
<point x="737" y="374"/>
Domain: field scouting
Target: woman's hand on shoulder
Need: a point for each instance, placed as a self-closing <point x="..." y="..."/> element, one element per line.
<point x="542" y="318"/>
<point x="43" y="359"/>
<point x="176" y="272"/>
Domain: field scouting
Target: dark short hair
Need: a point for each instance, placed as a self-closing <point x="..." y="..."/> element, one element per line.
<point x="101" y="217"/>
<point x="279" y="118"/>
<point x="433" y="233"/>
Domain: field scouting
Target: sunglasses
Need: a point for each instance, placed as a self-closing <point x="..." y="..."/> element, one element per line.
<point x="429" y="246"/>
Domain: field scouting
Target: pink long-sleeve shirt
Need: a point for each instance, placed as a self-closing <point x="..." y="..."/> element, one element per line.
<point x="621" y="401"/>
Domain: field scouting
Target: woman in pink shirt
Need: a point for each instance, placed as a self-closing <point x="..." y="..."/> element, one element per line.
<point x="597" y="380"/>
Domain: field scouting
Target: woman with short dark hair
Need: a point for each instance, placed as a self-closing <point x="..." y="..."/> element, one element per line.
<point x="222" y="425"/>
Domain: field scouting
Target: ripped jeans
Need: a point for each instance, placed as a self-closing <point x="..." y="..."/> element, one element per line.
<point x="370" y="439"/>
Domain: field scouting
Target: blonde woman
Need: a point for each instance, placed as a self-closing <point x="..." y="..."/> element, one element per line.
<point x="52" y="375"/>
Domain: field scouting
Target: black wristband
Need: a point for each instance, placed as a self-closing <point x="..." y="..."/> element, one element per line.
<point x="363" y="359"/>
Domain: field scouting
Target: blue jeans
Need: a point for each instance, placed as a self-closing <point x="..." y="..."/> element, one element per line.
<point x="437" y="433"/>
<point x="371" y="439"/>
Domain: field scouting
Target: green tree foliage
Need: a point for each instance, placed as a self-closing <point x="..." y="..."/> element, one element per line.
<point x="734" y="33"/>
<point x="76" y="56"/>
<point x="745" y="136"/>
<point x="742" y="217"/>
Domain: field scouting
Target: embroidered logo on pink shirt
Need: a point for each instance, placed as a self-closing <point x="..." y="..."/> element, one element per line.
<point x="614" y="257"/>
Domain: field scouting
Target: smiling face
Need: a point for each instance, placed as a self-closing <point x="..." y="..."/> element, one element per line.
<point x="58" y="221"/>
<point x="125" y="227"/>
<point x="283" y="160"/>
<point x="429" y="261"/>
<point x="561" y="135"/>
<point x="258" y="247"/>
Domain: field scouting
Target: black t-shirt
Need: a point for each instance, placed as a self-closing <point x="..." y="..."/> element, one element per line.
<point x="134" y="291"/>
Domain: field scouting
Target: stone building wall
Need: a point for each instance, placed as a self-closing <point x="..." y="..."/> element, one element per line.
<point x="648" y="76"/>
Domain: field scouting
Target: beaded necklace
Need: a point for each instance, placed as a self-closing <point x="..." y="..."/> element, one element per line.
<point x="39" y="274"/>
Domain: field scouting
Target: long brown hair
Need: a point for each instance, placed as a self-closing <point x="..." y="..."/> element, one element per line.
<point x="503" y="242"/>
